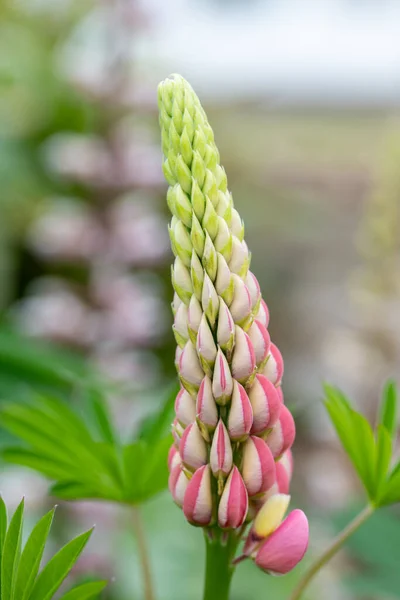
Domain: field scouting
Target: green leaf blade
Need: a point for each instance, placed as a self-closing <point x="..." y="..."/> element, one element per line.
<point x="31" y="557"/>
<point x="85" y="591"/>
<point x="57" y="569"/>
<point x="388" y="412"/>
<point x="11" y="553"/>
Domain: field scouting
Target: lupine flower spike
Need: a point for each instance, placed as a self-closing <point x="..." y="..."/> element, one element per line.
<point x="231" y="461"/>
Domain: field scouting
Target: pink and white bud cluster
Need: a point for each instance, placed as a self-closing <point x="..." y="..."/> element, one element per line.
<point x="232" y="432"/>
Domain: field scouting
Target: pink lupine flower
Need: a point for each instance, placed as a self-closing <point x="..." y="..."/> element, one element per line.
<point x="286" y="546"/>
<point x="231" y="424"/>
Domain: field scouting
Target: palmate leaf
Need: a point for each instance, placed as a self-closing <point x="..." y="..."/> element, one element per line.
<point x="369" y="451"/>
<point x="82" y="454"/>
<point x="20" y="576"/>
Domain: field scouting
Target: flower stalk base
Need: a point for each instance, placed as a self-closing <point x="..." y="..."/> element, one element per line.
<point x="220" y="552"/>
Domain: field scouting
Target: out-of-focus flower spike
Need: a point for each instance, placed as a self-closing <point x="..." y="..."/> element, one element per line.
<point x="258" y="466"/>
<point x="194" y="315"/>
<point x="198" y="503"/>
<point x="261" y="341"/>
<point x="185" y="408"/>
<point x="180" y="325"/>
<point x="174" y="457"/>
<point x="205" y="345"/>
<point x="182" y="281"/>
<point x="240" y="417"/>
<point x="197" y="275"/>
<point x="224" y="282"/>
<point x="263" y="313"/>
<point x="209" y="300"/>
<point x="206" y="409"/>
<point x="266" y="405"/>
<point x="177" y="484"/>
<point x="283" y="433"/>
<point x="192" y="448"/>
<point x="222" y="382"/>
<point x="240" y="306"/>
<point x="226" y="328"/>
<point x="286" y="546"/>
<point x="234" y="503"/>
<point x="190" y="370"/>
<point x="221" y="459"/>
<point x="254" y="290"/>
<point x="244" y="359"/>
<point x="274" y="366"/>
<point x="284" y="469"/>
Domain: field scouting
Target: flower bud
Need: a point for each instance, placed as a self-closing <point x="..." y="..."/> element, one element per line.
<point x="182" y="243"/>
<point x="177" y="432"/>
<point x="237" y="226"/>
<point x="263" y="313"/>
<point x="224" y="207"/>
<point x="198" y="200"/>
<point x="209" y="300"/>
<point x="283" y="433"/>
<point x="224" y="282"/>
<point x="175" y="304"/>
<point x="197" y="275"/>
<point x="254" y="290"/>
<point x="234" y="503"/>
<point x="185" y="408"/>
<point x="258" y="466"/>
<point x="244" y="360"/>
<point x="192" y="448"/>
<point x="222" y="383"/>
<point x="210" y="219"/>
<point x="221" y="452"/>
<point x="286" y="546"/>
<point x="197" y="236"/>
<point x="226" y="328"/>
<point x="205" y="345"/>
<point x="284" y="469"/>
<point x="194" y="314"/>
<point x="180" y="325"/>
<point x="190" y="369"/>
<point x="274" y="367"/>
<point x="266" y="404"/>
<point x="174" y="457"/>
<point x="177" y="484"/>
<point x="240" y="306"/>
<point x="198" y="504"/>
<point x="261" y="341"/>
<point x="209" y="259"/>
<point x="239" y="262"/>
<point x="182" y="281"/>
<point x="223" y="241"/>
<point x="206" y="408"/>
<point x="240" y="417"/>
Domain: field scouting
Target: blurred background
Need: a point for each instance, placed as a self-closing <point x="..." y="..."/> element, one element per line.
<point x="303" y="96"/>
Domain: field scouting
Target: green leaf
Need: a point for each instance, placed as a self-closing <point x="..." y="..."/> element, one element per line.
<point x="85" y="591"/>
<point x="388" y="412"/>
<point x="383" y="458"/>
<point x="102" y="416"/>
<point x="3" y="525"/>
<point x="57" y="569"/>
<point x="31" y="557"/>
<point x="356" y="436"/>
<point x="11" y="554"/>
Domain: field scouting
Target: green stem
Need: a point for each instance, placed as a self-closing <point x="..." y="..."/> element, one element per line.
<point x="331" y="551"/>
<point x="143" y="554"/>
<point x="220" y="552"/>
